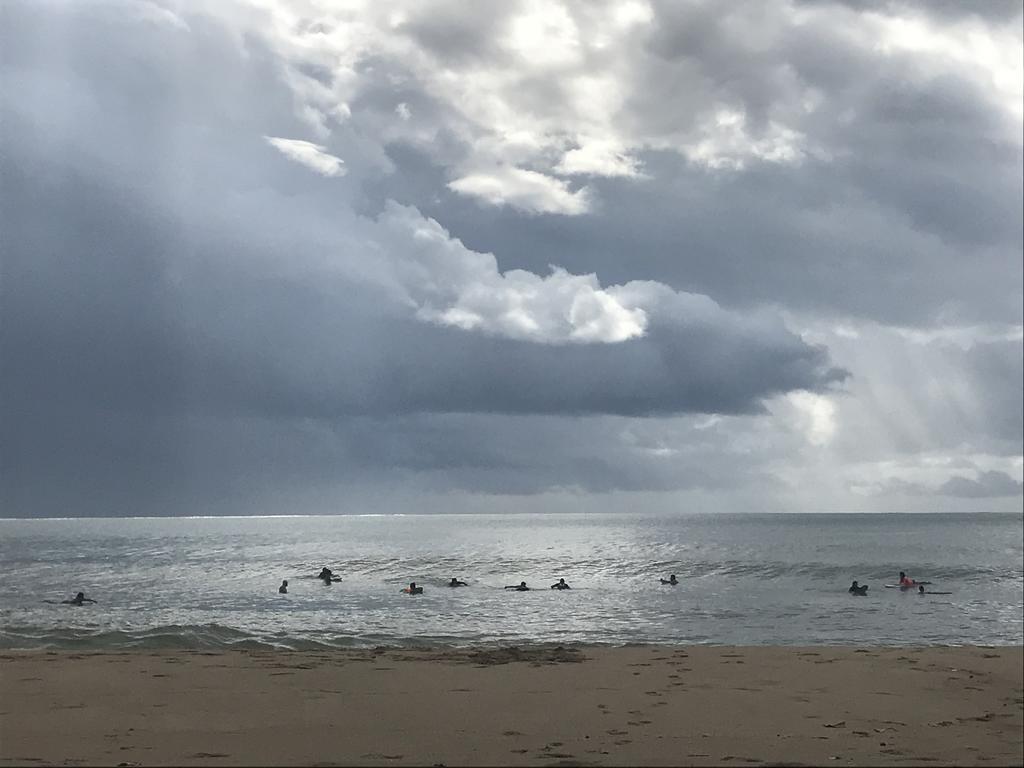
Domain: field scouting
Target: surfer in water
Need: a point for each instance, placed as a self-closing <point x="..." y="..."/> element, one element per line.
<point x="561" y="585"/>
<point x="521" y="587"/>
<point x="456" y="583"/>
<point x="79" y="599"/>
<point x="327" y="576"/>
<point x="856" y="589"/>
<point x="412" y="589"/>
<point x="908" y="583"/>
<point x="670" y="580"/>
<point x="283" y="589"/>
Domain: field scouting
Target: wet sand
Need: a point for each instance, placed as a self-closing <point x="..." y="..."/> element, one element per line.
<point x="699" y="705"/>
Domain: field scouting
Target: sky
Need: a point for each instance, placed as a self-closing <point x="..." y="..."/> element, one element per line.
<point x="347" y="256"/>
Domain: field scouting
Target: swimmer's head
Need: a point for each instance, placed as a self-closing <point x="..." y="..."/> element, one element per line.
<point x="920" y="590"/>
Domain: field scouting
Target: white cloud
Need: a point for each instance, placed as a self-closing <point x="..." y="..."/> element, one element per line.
<point x="313" y="156"/>
<point x="545" y="35"/>
<point x="724" y="143"/>
<point x="814" y="415"/>
<point x="526" y="190"/>
<point x="449" y="284"/>
<point x="597" y="158"/>
<point x="991" y="56"/>
<point x="559" y="88"/>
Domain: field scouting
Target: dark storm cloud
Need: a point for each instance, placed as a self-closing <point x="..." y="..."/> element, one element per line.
<point x="774" y="234"/>
<point x="190" y="320"/>
<point x="988" y="485"/>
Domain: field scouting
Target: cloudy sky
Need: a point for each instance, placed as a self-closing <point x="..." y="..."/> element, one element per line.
<point x="326" y="256"/>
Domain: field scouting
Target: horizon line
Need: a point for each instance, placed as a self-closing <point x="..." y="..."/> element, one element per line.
<point x="481" y="514"/>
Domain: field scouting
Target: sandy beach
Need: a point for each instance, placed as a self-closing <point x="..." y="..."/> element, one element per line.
<point x="573" y="706"/>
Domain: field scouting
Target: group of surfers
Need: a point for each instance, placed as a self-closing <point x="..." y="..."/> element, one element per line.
<point x="905" y="584"/>
<point x="327" y="576"/>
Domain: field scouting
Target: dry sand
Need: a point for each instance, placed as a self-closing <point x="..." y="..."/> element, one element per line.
<point x="590" y="706"/>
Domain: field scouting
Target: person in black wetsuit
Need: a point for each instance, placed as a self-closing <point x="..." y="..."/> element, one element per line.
<point x="456" y="583"/>
<point x="283" y="589"/>
<point x="856" y="589"/>
<point x="561" y="585"/>
<point x="670" y="580"/>
<point x="79" y="599"/>
<point x="327" y="576"/>
<point x="412" y="589"/>
<point x="521" y="587"/>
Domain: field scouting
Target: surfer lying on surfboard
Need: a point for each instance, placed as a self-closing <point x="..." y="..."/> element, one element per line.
<point x="79" y="599"/>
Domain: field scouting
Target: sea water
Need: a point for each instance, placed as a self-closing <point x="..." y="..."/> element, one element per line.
<point x="744" y="579"/>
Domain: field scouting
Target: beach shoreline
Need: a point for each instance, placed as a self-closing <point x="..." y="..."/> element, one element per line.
<point x="553" y="705"/>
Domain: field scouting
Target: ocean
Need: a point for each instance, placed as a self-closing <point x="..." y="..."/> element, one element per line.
<point x="779" y="579"/>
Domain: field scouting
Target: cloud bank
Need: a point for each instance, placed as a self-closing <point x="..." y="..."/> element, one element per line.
<point x="325" y="257"/>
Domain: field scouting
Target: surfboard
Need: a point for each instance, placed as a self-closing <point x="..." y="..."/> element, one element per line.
<point x="915" y="585"/>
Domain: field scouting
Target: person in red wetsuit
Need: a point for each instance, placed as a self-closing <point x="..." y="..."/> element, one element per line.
<point x="906" y="582"/>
